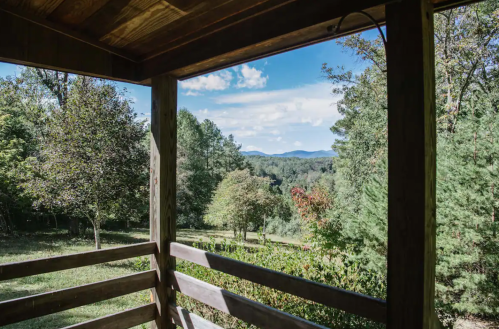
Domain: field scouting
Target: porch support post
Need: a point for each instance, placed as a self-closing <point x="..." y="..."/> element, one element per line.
<point x="162" y="189"/>
<point x="411" y="165"/>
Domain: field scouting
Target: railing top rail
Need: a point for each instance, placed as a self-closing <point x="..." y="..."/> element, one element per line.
<point x="348" y="301"/>
<point x="65" y="262"/>
<point x="30" y="307"/>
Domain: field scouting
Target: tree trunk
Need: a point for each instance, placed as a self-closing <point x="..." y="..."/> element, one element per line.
<point x="97" y="222"/>
<point x="264" y="220"/>
<point x="244" y="232"/>
<point x="74" y="226"/>
<point x="55" y="220"/>
<point x="97" y="234"/>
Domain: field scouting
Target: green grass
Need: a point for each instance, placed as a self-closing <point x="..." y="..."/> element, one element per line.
<point x="27" y="246"/>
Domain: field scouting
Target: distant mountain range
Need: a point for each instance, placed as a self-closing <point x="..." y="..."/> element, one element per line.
<point x="295" y="154"/>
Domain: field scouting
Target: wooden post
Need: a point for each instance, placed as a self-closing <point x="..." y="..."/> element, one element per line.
<point x="163" y="194"/>
<point x="411" y="165"/>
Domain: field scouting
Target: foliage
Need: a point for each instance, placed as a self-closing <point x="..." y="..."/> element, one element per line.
<point x="287" y="173"/>
<point x="241" y="200"/>
<point x="92" y="158"/>
<point x="291" y="260"/>
<point x="204" y="158"/>
<point x="467" y="107"/>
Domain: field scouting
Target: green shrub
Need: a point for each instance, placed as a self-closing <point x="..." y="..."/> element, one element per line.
<point x="292" y="260"/>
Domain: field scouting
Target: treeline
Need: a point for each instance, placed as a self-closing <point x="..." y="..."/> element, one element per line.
<point x="74" y="154"/>
<point x="293" y="172"/>
<point x="204" y="157"/>
<point x="353" y="225"/>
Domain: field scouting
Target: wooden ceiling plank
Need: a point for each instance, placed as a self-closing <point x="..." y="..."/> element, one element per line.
<point x="279" y="22"/>
<point x="41" y="8"/>
<point x="113" y="14"/>
<point x="184" y="5"/>
<point x="35" y="45"/>
<point x="355" y="23"/>
<point x="190" y="28"/>
<point x="64" y="31"/>
<point x="154" y="17"/>
<point x="72" y="13"/>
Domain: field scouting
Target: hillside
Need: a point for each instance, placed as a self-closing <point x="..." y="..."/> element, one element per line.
<point x="295" y="154"/>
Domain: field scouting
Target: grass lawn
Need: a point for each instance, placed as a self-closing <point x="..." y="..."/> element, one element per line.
<point x="27" y="246"/>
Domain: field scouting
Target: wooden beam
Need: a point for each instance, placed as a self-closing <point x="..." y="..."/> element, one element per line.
<point x="33" y="44"/>
<point x="348" y="301"/>
<point x="200" y="24"/>
<point x="58" y="263"/>
<point x="163" y="195"/>
<point x="242" y="308"/>
<point x="188" y="320"/>
<point x="121" y="320"/>
<point x="411" y="165"/>
<point x="30" y="307"/>
<point x="283" y="23"/>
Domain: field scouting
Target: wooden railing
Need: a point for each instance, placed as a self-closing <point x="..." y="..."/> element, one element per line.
<point x="253" y="312"/>
<point x="25" y="308"/>
<point x="259" y="314"/>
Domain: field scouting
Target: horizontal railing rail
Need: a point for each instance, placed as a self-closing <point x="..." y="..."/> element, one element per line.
<point x="188" y="320"/>
<point x="256" y="313"/>
<point x="65" y="262"/>
<point x="30" y="307"/>
<point x="126" y="319"/>
<point x="348" y="301"/>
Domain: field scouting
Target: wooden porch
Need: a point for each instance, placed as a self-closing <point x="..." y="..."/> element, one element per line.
<point x="156" y="43"/>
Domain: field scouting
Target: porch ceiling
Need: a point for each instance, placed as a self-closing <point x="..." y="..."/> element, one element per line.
<point x="134" y="40"/>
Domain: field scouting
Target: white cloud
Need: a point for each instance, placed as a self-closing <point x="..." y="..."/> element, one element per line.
<point x="253" y="148"/>
<point x="243" y="133"/>
<point x="192" y="93"/>
<point x="205" y="111"/>
<point x="250" y="77"/>
<point x="215" y="81"/>
<point x="297" y="143"/>
<point x="278" y="113"/>
<point x="317" y="122"/>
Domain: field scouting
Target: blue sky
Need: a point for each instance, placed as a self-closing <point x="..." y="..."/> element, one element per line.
<point x="274" y="105"/>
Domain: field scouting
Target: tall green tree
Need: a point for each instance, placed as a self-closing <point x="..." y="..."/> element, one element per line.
<point x="93" y="156"/>
<point x="240" y="200"/>
<point x="467" y="56"/>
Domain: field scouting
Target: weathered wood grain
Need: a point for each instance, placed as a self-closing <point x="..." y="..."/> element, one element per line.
<point x="348" y="301"/>
<point x="112" y="15"/>
<point x="35" y="45"/>
<point x="411" y="165"/>
<point x="277" y="23"/>
<point x="198" y="24"/>
<point x="71" y="13"/>
<point x="163" y="190"/>
<point x="30" y="307"/>
<point x="122" y="320"/>
<point x="59" y="263"/>
<point x="187" y="320"/>
<point x="150" y="19"/>
<point x="39" y="8"/>
<point x="245" y="309"/>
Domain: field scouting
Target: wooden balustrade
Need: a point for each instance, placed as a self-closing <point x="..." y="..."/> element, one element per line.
<point x="65" y="262"/>
<point x="348" y="301"/>
<point x="258" y="314"/>
<point x="242" y="308"/>
<point x="30" y="307"/>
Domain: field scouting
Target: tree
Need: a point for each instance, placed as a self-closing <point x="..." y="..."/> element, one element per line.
<point x="93" y="156"/>
<point x="240" y="200"/>
<point x="467" y="82"/>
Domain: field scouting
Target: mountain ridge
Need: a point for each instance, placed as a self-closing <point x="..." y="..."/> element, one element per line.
<point x="294" y="154"/>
